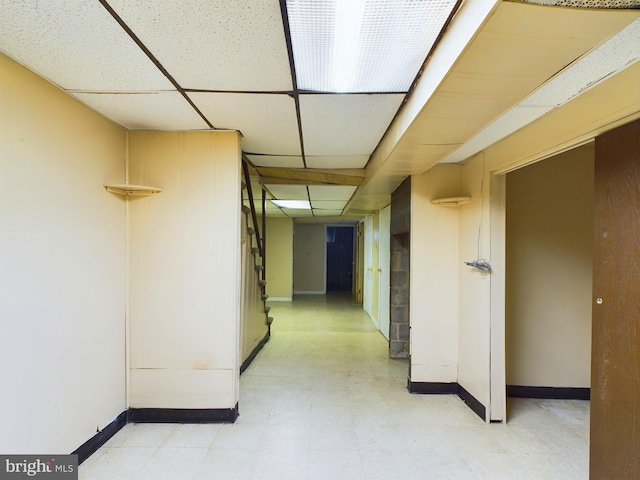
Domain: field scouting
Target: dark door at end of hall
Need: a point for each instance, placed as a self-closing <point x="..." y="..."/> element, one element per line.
<point x="339" y="259"/>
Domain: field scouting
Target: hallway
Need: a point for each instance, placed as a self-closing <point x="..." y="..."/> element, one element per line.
<point x="323" y="402"/>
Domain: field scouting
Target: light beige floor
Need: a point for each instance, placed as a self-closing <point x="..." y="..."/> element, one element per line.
<point x="323" y="402"/>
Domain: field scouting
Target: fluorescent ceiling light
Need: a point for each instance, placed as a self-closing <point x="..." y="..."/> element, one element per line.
<point x="363" y="45"/>
<point x="296" y="204"/>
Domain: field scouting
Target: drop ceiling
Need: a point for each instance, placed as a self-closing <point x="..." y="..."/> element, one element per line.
<point x="265" y="69"/>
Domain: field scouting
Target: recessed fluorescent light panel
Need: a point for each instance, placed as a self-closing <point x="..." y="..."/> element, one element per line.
<point x="295" y="204"/>
<point x="355" y="46"/>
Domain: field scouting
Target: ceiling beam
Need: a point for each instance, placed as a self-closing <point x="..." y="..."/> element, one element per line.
<point x="307" y="176"/>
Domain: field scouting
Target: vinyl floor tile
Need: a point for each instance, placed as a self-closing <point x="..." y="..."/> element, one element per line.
<point x="322" y="401"/>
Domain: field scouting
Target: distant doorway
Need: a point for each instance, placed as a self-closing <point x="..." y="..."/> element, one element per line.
<point x="339" y="259"/>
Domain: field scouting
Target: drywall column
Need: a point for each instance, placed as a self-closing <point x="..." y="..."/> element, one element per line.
<point x="185" y="270"/>
<point x="400" y="258"/>
<point x="434" y="280"/>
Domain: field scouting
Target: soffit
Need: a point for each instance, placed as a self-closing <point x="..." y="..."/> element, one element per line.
<point x="519" y="48"/>
<point x="602" y="108"/>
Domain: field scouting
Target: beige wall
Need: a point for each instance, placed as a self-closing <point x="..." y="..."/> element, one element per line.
<point x="62" y="267"/>
<point x="309" y="263"/>
<point x="481" y="297"/>
<point x="549" y="271"/>
<point x="279" y="258"/>
<point x="434" y="276"/>
<point x="185" y="264"/>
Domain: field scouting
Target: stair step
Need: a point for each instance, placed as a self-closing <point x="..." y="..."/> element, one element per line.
<point x="251" y="231"/>
<point x="262" y="283"/>
<point x="267" y="309"/>
<point x="255" y="250"/>
<point x="269" y="320"/>
<point x="259" y="268"/>
<point x="244" y="185"/>
<point x="265" y="297"/>
<point x="245" y="209"/>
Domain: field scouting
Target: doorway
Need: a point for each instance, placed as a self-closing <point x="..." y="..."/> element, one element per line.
<point x="549" y="245"/>
<point x="339" y="240"/>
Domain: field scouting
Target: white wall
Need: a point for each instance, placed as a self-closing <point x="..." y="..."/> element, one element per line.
<point x="549" y="271"/>
<point x="434" y="276"/>
<point x="185" y="270"/>
<point x="62" y="268"/>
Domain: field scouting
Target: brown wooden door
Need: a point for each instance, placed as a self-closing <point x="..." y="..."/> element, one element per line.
<point x="615" y="377"/>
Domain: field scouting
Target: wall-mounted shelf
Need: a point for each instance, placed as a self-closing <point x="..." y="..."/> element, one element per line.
<point x="451" y="201"/>
<point x="132" y="190"/>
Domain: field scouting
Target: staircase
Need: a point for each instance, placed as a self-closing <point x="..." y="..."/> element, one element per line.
<point x="255" y="322"/>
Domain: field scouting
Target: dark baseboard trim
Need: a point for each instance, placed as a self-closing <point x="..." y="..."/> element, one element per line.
<point x="255" y="351"/>
<point x="553" y="393"/>
<point x="432" y="388"/>
<point x="89" y="447"/>
<point x="154" y="415"/>
<point x="453" y="388"/>
<point x="472" y="402"/>
<point x="182" y="415"/>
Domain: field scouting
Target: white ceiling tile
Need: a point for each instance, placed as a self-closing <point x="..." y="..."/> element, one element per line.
<point x="337" y="161"/>
<point x="345" y="124"/>
<point x="146" y="111"/>
<point x="331" y="192"/>
<point x="214" y="45"/>
<point x="76" y="45"/>
<point x="275" y="213"/>
<point x="268" y="122"/>
<point x="276" y="161"/>
<point x="290" y="212"/>
<point x="327" y="213"/>
<point x="328" y="204"/>
<point x="288" y="192"/>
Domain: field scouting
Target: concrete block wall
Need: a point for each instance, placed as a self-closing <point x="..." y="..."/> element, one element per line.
<point x="400" y="250"/>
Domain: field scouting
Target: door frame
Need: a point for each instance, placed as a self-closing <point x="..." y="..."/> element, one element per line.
<point x="497" y="411"/>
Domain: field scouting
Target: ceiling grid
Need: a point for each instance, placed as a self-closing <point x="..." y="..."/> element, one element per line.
<point x="315" y="85"/>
